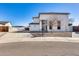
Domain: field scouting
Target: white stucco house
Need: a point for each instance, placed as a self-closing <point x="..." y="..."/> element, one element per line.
<point x="50" y="22"/>
<point x="5" y="26"/>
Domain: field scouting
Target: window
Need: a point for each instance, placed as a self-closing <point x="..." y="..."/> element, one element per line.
<point x="50" y="27"/>
<point x="59" y="24"/>
<point x="58" y="27"/>
<point x="69" y="24"/>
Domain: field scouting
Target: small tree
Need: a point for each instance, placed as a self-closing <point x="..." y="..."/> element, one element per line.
<point x="53" y="21"/>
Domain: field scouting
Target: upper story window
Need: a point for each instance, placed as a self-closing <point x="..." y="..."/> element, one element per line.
<point x="69" y="24"/>
<point x="58" y="22"/>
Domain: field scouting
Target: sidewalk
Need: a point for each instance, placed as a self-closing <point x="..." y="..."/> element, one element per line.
<point x="21" y="37"/>
<point x="59" y="39"/>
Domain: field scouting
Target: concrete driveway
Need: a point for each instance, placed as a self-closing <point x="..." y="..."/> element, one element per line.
<point x="14" y="37"/>
<point x="75" y="34"/>
<point x="2" y="33"/>
<point x="21" y="37"/>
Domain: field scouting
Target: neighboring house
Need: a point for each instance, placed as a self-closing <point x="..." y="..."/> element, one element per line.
<point x="50" y="22"/>
<point x="5" y="26"/>
<point x="76" y="28"/>
<point x="17" y="28"/>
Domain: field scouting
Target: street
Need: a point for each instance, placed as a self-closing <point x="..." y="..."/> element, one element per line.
<point x="40" y="48"/>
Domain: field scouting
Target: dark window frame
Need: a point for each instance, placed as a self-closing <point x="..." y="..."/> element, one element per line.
<point x="69" y="24"/>
<point x="50" y="27"/>
<point x="58" y="27"/>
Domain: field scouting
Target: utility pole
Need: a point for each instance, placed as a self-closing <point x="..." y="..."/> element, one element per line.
<point x="42" y="28"/>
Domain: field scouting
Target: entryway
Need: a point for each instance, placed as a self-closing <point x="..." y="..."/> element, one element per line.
<point x="44" y="25"/>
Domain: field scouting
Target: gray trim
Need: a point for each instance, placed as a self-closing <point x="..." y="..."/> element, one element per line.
<point x="34" y="23"/>
<point x="66" y="13"/>
<point x="54" y="13"/>
<point x="35" y="17"/>
<point x="18" y="26"/>
<point x="4" y="22"/>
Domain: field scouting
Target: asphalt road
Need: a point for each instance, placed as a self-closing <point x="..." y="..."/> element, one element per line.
<point x="39" y="48"/>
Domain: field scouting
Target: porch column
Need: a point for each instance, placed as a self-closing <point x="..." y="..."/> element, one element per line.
<point x="40" y="25"/>
<point x="47" y="25"/>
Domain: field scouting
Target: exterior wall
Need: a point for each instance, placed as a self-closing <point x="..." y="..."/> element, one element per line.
<point x="1" y="25"/>
<point x="15" y="29"/>
<point x="70" y="28"/>
<point x="36" y="20"/>
<point x="9" y="25"/>
<point x="63" y="18"/>
<point x="34" y="27"/>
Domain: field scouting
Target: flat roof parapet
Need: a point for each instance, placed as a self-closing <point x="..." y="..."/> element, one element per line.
<point x="55" y="13"/>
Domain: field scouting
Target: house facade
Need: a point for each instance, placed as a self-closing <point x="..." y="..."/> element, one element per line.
<point x="5" y="26"/>
<point x="50" y="22"/>
<point x="17" y="28"/>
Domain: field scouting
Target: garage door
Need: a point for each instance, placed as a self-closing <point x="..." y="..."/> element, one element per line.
<point x="4" y="28"/>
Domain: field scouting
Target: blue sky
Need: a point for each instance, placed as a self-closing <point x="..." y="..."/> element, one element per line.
<point x="22" y="13"/>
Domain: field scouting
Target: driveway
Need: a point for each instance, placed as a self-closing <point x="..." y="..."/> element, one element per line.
<point x="21" y="37"/>
<point x="75" y="34"/>
<point x="14" y="37"/>
<point x="2" y="33"/>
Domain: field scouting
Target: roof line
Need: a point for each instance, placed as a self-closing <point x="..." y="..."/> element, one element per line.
<point x="54" y="13"/>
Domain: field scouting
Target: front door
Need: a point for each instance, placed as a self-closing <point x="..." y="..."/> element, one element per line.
<point x="44" y="25"/>
<point x="44" y="28"/>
